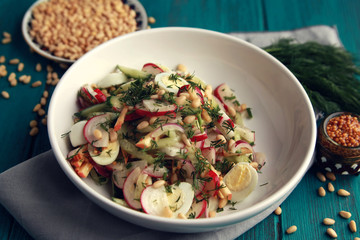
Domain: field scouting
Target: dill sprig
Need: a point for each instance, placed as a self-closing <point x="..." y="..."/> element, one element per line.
<point x="328" y="73"/>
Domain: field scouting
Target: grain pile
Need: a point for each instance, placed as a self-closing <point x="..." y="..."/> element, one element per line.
<point x="70" y="28"/>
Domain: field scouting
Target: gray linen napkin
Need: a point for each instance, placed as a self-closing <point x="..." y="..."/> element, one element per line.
<point x="41" y="198"/>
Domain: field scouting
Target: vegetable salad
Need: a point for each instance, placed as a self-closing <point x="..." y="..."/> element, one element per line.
<point x="168" y="143"/>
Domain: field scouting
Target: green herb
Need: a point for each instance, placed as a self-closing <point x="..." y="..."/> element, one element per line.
<point x="65" y="134"/>
<point x="168" y="189"/>
<point x="328" y="73"/>
<point x="192" y="215"/>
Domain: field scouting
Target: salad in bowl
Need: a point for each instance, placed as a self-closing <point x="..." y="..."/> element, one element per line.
<point x="166" y="142"/>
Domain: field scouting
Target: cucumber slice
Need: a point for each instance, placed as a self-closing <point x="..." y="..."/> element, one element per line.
<point x="134" y="73"/>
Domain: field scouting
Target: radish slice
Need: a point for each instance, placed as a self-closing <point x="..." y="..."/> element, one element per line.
<point x="225" y="125"/>
<point x="76" y="134"/>
<point x="151" y="107"/>
<point x="241" y="180"/>
<point x="212" y="205"/>
<point x="260" y="158"/>
<point x="181" y="198"/>
<point x="152" y="68"/>
<point x="121" y="172"/>
<point x="245" y="134"/>
<point x="156" y="172"/>
<point x="226" y="96"/>
<point x="96" y="123"/>
<point x="188" y="168"/>
<point x="154" y="200"/>
<point x="129" y="189"/>
<point x="107" y="155"/>
<point x="212" y="187"/>
<point x="197" y="209"/>
<point x="112" y="79"/>
<point x="199" y="137"/>
<point x="240" y="145"/>
<point x="142" y="181"/>
<point x="198" y="186"/>
<point x="170" y="81"/>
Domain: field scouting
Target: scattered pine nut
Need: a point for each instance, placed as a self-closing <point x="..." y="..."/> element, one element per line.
<point x="34" y="131"/>
<point x="158" y="183"/>
<point x="2" y="59"/>
<point x="36" y="84"/>
<point x="352" y="226"/>
<point x="45" y="94"/>
<point x="142" y="125"/>
<point x="356" y="238"/>
<point x="278" y="211"/>
<point x="5" y="94"/>
<point x="345" y="214"/>
<point x="328" y="221"/>
<point x="49" y="68"/>
<point x="181" y="68"/>
<point x="331" y="232"/>
<point x="97" y="134"/>
<point x="167" y="212"/>
<point x="321" y="177"/>
<point x="151" y="20"/>
<point x="20" y="67"/>
<point x="181" y="216"/>
<point x="44" y="121"/>
<point x="41" y="112"/>
<point x="330" y="187"/>
<point x="291" y="229"/>
<point x="343" y="193"/>
<point x="6" y="40"/>
<point x="13" y="82"/>
<point x="222" y="202"/>
<point x="12" y="76"/>
<point x="6" y="35"/>
<point x="55" y="81"/>
<point x="43" y="101"/>
<point x="33" y="123"/>
<point x="38" y="67"/>
<point x="27" y="80"/>
<point x="14" y="61"/>
<point x="37" y="107"/>
<point x="331" y="176"/>
<point x="321" y="192"/>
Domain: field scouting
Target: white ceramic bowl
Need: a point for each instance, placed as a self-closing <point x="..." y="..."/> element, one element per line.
<point x="141" y="19"/>
<point x="283" y="116"/>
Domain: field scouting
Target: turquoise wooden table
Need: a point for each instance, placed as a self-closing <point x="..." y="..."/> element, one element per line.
<point x="304" y="208"/>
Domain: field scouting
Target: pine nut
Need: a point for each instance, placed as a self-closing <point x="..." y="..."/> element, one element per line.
<point x="38" y="67"/>
<point x="14" y="61"/>
<point x="34" y="131"/>
<point x="180" y="100"/>
<point x="43" y="101"/>
<point x="45" y="94"/>
<point x="231" y="111"/>
<point x="352" y="226"/>
<point x="36" y="84"/>
<point x="196" y="103"/>
<point x="321" y="192"/>
<point x="158" y="183"/>
<point x="20" y="67"/>
<point x="345" y="214"/>
<point x="44" y="121"/>
<point x="331" y="176"/>
<point x="328" y="221"/>
<point x="255" y="165"/>
<point x="2" y="59"/>
<point x="49" y="68"/>
<point x="220" y="138"/>
<point x="6" y="40"/>
<point x="12" y="76"/>
<point x="181" y="68"/>
<point x="291" y="229"/>
<point x="6" y="35"/>
<point x="167" y="212"/>
<point x="41" y="112"/>
<point x="37" y="107"/>
<point x="185" y="140"/>
<point x="343" y="193"/>
<point x="142" y="125"/>
<point x="55" y="81"/>
<point x="330" y="187"/>
<point x="161" y="92"/>
<point x="97" y="134"/>
<point x="278" y="211"/>
<point x="181" y="216"/>
<point x="151" y="20"/>
<point x="33" y="123"/>
<point x="321" y="177"/>
<point x="331" y="232"/>
<point x="27" y="80"/>
<point x="222" y="202"/>
<point x="212" y="214"/>
<point x="189" y="119"/>
<point x="5" y="94"/>
<point x="205" y="116"/>
<point x="13" y="83"/>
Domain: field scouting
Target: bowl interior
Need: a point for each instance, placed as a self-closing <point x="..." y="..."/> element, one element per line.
<point x="283" y="119"/>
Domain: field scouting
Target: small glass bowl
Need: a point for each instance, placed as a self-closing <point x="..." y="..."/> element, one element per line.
<point x="334" y="157"/>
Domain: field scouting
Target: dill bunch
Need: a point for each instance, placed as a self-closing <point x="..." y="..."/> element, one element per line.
<point x="328" y="73"/>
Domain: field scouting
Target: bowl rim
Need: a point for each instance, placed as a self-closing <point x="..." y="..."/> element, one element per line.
<point x="37" y="48"/>
<point x="199" y="223"/>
